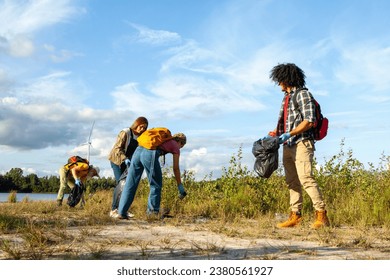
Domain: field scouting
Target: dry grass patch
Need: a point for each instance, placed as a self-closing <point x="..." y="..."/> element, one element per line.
<point x="41" y="230"/>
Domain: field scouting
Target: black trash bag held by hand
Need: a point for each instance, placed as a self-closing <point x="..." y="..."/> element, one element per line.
<point x="119" y="188"/>
<point x="75" y="195"/>
<point x="267" y="156"/>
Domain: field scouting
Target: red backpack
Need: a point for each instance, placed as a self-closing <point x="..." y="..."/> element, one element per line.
<point x="321" y="124"/>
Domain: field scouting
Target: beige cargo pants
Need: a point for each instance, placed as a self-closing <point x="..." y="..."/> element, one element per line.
<point x="298" y="166"/>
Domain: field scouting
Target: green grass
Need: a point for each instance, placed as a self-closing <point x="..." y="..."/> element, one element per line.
<point x="356" y="198"/>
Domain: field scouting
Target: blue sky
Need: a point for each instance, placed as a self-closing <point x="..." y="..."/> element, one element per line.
<point x="197" y="67"/>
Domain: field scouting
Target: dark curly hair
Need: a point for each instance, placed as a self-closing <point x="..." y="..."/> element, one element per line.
<point x="288" y="74"/>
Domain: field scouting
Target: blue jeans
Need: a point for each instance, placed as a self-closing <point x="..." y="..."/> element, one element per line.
<point x="117" y="171"/>
<point x="143" y="159"/>
<point x="117" y="174"/>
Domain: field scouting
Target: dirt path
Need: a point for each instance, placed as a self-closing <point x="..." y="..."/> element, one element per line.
<point x="199" y="240"/>
<point x="142" y="240"/>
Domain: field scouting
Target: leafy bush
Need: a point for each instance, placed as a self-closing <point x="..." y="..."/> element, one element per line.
<point x="353" y="195"/>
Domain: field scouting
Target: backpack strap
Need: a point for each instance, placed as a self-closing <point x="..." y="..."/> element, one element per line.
<point x="294" y="99"/>
<point x="296" y="106"/>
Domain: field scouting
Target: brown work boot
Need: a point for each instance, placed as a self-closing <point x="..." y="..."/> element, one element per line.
<point x="321" y="220"/>
<point x="293" y="220"/>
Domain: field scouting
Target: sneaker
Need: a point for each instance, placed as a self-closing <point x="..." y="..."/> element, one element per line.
<point x="115" y="211"/>
<point x="130" y="215"/>
<point x="59" y="202"/>
<point x="118" y="216"/>
<point x="294" y="219"/>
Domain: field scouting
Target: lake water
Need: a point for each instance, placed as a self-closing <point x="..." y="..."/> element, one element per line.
<point x="31" y="196"/>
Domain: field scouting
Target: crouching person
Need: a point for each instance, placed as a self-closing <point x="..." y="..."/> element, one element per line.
<point x="75" y="172"/>
<point x="145" y="158"/>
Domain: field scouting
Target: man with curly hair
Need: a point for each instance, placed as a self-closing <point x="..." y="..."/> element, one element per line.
<point x="295" y="134"/>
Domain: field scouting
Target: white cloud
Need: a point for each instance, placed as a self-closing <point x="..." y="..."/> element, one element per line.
<point x="51" y="88"/>
<point x="9" y="101"/>
<point x="29" y="170"/>
<point x="196" y="82"/>
<point x="198" y="152"/>
<point x="376" y="98"/>
<point x="20" y="46"/>
<point x="202" y="162"/>
<point x="191" y="57"/>
<point x="48" y="111"/>
<point x="366" y="64"/>
<point x="59" y="56"/>
<point x="188" y="96"/>
<point x="20" y="20"/>
<point x="155" y="37"/>
<point x="253" y="72"/>
<point x="128" y="94"/>
<point x="24" y="17"/>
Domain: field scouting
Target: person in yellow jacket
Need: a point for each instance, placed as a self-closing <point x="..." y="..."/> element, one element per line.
<point x="147" y="159"/>
<point x="75" y="174"/>
<point x="122" y="152"/>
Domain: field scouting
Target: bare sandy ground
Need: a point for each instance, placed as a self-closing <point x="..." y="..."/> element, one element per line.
<point x="167" y="239"/>
<point x="134" y="239"/>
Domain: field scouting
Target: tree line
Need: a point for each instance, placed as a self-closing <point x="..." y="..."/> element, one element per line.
<point x="14" y="180"/>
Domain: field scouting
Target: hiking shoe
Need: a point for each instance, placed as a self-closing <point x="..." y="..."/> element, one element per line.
<point x="59" y="202"/>
<point x="321" y="219"/>
<point x="182" y="195"/>
<point x="115" y="211"/>
<point x="293" y="220"/>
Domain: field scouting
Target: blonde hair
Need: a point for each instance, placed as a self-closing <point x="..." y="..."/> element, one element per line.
<point x="180" y="137"/>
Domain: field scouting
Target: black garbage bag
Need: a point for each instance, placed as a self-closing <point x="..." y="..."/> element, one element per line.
<point x="75" y="195"/>
<point x="266" y="151"/>
<point x="119" y="188"/>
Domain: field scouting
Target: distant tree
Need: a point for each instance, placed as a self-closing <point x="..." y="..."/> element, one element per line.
<point x="16" y="179"/>
<point x="5" y="184"/>
<point x="100" y="184"/>
<point x="54" y="183"/>
<point x="33" y="183"/>
<point x="49" y="184"/>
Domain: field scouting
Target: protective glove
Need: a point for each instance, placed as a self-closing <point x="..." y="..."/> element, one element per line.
<point x="127" y="162"/>
<point x="77" y="182"/>
<point x="182" y="192"/>
<point x="284" y="137"/>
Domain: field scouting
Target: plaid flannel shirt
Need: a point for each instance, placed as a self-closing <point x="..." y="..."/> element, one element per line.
<point x="295" y="116"/>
